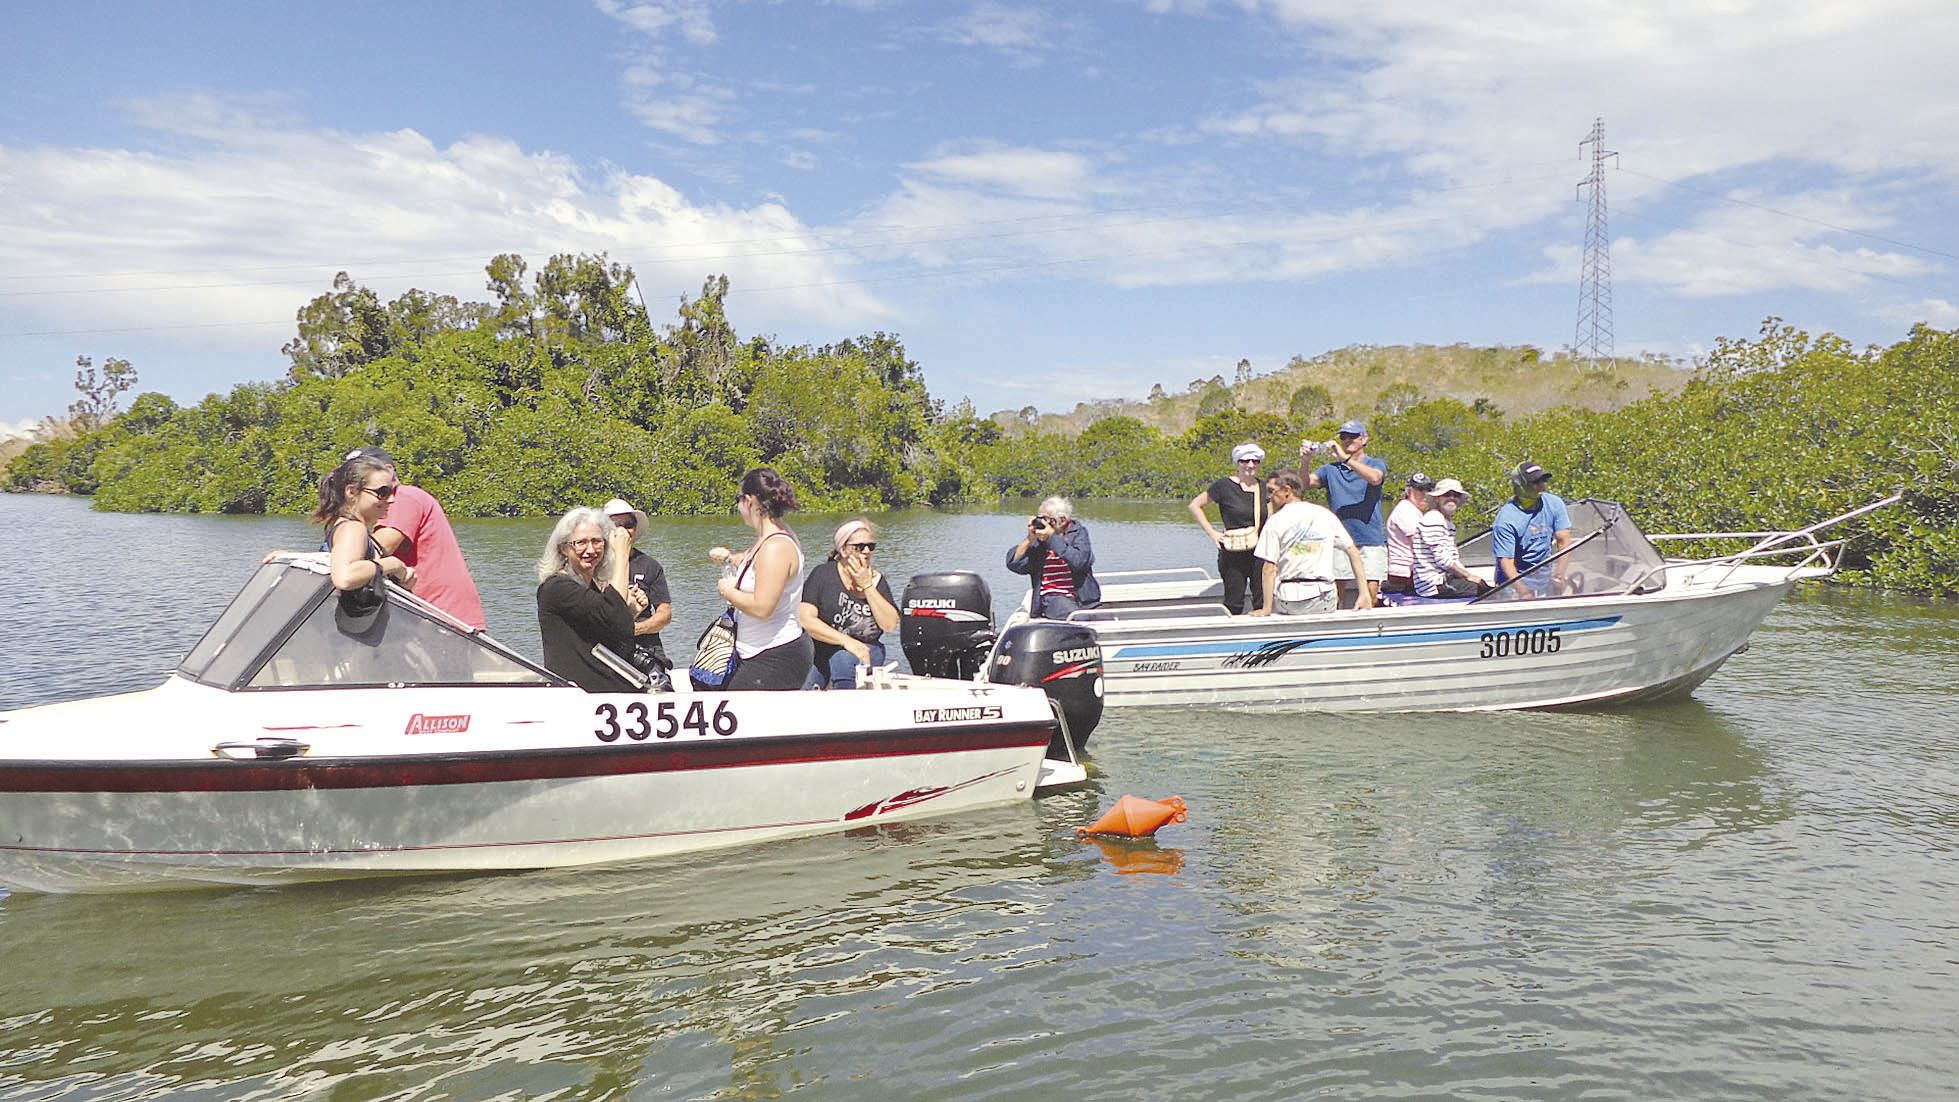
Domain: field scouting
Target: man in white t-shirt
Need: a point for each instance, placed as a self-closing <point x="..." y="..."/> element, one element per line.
<point x="1407" y="515"/>
<point x="1295" y="549"/>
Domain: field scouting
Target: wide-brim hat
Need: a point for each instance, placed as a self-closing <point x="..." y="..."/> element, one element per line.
<point x="619" y="505"/>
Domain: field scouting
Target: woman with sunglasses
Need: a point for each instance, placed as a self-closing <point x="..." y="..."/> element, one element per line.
<point x="846" y="609"/>
<point x="764" y="585"/>
<point x="584" y="598"/>
<point x="354" y="497"/>
<point x="1240" y="498"/>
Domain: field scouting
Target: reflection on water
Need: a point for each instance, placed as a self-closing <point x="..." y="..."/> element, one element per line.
<point x="1745" y="894"/>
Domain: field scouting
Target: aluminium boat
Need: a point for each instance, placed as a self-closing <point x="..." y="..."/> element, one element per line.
<point x="300" y="741"/>
<point x="1610" y="620"/>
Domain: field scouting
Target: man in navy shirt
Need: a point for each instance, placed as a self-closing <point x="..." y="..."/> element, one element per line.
<point x="1352" y="480"/>
<point x="1531" y="527"/>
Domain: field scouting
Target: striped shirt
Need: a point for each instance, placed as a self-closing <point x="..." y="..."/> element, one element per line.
<point x="1055" y="577"/>
<point x="1435" y="551"/>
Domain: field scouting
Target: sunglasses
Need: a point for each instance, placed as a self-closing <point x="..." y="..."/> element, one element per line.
<point x="863" y="546"/>
<point x="1253" y="462"/>
<point x="382" y="492"/>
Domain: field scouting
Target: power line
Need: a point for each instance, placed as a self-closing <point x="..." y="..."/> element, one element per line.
<point x="1787" y="214"/>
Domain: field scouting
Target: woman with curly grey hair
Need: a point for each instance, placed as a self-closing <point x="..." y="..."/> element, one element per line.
<point x="583" y="598"/>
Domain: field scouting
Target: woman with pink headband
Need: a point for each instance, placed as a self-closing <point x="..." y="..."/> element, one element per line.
<point x="847" y="608"/>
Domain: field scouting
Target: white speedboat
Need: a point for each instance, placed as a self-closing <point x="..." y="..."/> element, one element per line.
<point x="1611" y="620"/>
<point x="293" y="744"/>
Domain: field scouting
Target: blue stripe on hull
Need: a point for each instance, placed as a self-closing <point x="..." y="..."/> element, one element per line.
<point x="1228" y="649"/>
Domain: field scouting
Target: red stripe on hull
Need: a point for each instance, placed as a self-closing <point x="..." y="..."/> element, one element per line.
<point x="295" y="774"/>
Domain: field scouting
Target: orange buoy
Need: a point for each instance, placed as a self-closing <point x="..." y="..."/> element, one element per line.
<point x="1135" y="817"/>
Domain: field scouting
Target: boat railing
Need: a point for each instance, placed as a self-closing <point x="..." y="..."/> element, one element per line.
<point x="1167" y="574"/>
<point x="1821" y="554"/>
<point x="1827" y="553"/>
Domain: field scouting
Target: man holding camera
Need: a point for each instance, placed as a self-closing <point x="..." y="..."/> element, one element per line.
<point x="1058" y="561"/>
<point x="1352" y="480"/>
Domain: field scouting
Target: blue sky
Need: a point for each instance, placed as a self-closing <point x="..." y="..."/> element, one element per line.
<point x="1048" y="203"/>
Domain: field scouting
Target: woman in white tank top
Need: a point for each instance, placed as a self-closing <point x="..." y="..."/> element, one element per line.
<point x="766" y="588"/>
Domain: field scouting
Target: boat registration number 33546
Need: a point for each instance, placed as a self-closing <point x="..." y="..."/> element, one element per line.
<point x="639" y="722"/>
<point x="1503" y="644"/>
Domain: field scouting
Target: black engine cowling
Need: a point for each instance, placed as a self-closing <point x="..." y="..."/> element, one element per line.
<point x="946" y="624"/>
<point x="1064" y="661"/>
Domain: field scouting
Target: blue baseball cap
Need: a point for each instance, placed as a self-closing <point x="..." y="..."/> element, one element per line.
<point x="1353" y="427"/>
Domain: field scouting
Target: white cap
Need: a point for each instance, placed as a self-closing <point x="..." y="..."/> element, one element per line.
<point x="1247" y="451"/>
<point x="1448" y="486"/>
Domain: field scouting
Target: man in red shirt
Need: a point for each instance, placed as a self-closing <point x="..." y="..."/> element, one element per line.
<point x="417" y="532"/>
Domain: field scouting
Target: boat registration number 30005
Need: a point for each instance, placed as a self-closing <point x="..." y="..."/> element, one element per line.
<point x="1503" y="644"/>
<point x="639" y="722"/>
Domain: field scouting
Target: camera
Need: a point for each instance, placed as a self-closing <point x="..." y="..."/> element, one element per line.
<point x="1041" y="524"/>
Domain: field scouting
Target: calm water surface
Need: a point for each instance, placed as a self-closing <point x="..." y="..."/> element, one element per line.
<point x="1751" y="894"/>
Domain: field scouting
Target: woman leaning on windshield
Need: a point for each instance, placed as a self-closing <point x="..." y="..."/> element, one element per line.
<point x="354" y="497"/>
<point x="1240" y="498"/>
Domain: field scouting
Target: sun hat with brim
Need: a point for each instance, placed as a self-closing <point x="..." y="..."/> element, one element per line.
<point x="619" y="505"/>
<point x="1448" y="486"/>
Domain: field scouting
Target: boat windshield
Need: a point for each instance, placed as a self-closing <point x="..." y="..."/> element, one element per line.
<point x="1608" y="554"/>
<point x="284" y="631"/>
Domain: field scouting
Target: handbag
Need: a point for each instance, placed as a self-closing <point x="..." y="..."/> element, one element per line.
<point x="1244" y="539"/>
<point x="715" y="657"/>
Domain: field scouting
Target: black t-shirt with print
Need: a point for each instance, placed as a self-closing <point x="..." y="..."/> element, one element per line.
<point x="840" y="609"/>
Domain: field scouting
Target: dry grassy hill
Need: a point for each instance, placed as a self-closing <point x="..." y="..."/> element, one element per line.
<point x="1361" y="380"/>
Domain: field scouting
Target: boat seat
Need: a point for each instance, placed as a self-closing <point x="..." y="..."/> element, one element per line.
<point x="1152" y="610"/>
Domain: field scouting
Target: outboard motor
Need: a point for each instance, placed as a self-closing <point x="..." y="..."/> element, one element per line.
<point x="946" y="624"/>
<point x="1063" y="660"/>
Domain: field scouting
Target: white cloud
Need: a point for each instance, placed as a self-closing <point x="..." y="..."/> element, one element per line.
<point x="1936" y="312"/>
<point x="1760" y="244"/>
<point x="17" y="430"/>
<point x="693" y="19"/>
<point x="1036" y="173"/>
<point x="1021" y="33"/>
<point x="240" y="225"/>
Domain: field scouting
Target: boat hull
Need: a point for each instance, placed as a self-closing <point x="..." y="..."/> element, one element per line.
<point x="538" y="787"/>
<point x="1451" y="657"/>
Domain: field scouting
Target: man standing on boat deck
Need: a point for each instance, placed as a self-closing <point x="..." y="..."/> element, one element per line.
<point x="1059" y="562"/>
<point x="1295" y="549"/>
<point x="1531" y="527"/>
<point x="1352" y="480"/>
<point x="417" y="532"/>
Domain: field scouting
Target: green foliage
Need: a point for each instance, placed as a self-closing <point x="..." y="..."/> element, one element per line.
<point x="561" y="392"/>
<point x="557" y="392"/>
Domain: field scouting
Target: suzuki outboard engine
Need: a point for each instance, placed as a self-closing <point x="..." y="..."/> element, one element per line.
<point x="946" y="624"/>
<point x="1063" y="660"/>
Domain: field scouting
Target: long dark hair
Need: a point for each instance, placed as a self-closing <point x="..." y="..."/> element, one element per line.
<point x="333" y="487"/>
<point x="772" y="492"/>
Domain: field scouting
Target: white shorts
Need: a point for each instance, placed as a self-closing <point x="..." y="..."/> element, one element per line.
<point x="1374" y="559"/>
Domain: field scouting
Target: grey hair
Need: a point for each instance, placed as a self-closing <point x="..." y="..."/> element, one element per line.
<point x="553" y="559"/>
<point x="1059" y="507"/>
